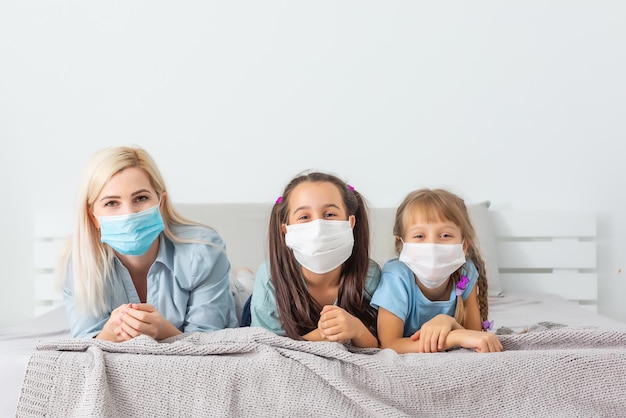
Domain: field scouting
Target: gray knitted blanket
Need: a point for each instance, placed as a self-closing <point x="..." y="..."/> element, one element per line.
<point x="555" y="372"/>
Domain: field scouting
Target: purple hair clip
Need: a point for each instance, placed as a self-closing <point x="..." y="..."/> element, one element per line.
<point x="461" y="285"/>
<point x="351" y="187"/>
<point x="279" y="200"/>
<point x="487" y="325"/>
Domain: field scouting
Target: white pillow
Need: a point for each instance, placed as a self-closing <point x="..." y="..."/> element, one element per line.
<point x="241" y="283"/>
<point x="479" y="216"/>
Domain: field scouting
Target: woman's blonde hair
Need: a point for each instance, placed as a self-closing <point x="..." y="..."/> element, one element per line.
<point x="441" y="205"/>
<point x="90" y="260"/>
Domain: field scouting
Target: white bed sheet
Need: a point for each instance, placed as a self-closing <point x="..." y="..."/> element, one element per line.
<point x="17" y="343"/>
<point x="520" y="311"/>
<point x="515" y="311"/>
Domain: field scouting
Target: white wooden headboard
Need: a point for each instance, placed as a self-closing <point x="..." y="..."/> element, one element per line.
<point x="548" y="252"/>
<point x="545" y="252"/>
<point x="51" y="232"/>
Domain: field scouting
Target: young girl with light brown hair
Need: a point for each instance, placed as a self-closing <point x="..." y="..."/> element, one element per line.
<point x="434" y="296"/>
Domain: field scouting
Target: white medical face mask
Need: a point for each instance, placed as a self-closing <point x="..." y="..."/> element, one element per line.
<point x="432" y="263"/>
<point x="320" y="245"/>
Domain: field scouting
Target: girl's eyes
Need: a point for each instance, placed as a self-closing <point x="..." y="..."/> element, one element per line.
<point x="444" y="235"/>
<point x="302" y="218"/>
<point x="111" y="203"/>
<point x="141" y="198"/>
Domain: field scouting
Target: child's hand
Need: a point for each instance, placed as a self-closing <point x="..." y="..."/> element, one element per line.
<point x="337" y="325"/>
<point x="482" y="342"/>
<point x="432" y="336"/>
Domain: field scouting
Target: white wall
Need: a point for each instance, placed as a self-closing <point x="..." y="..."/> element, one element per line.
<point x="522" y="103"/>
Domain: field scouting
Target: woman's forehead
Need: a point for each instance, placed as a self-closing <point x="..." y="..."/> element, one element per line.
<point x="127" y="180"/>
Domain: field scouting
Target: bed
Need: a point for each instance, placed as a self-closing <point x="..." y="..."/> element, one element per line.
<point x="561" y="357"/>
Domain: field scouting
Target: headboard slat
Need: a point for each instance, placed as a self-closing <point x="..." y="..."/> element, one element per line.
<point x="552" y="254"/>
<point x="540" y="224"/>
<point x="574" y="286"/>
<point x="45" y="287"/>
<point x="47" y="253"/>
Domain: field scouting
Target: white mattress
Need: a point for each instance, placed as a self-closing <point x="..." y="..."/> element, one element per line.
<point x="515" y="311"/>
<point x="519" y="311"/>
<point x="17" y="343"/>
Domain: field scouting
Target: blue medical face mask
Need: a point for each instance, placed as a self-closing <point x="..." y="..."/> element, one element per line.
<point x="133" y="233"/>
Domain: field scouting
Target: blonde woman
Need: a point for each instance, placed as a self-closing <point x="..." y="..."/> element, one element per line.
<point x="135" y="266"/>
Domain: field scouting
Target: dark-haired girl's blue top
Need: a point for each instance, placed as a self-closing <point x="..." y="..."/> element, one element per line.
<point x="263" y="303"/>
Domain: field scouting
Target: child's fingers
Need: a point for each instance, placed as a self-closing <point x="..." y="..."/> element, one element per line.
<point x="434" y="343"/>
<point x="328" y="308"/>
<point x="442" y="339"/>
<point x="334" y="329"/>
<point x="335" y="334"/>
<point x="328" y="323"/>
<point x="429" y="341"/>
<point x="336" y="313"/>
<point x="496" y="347"/>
